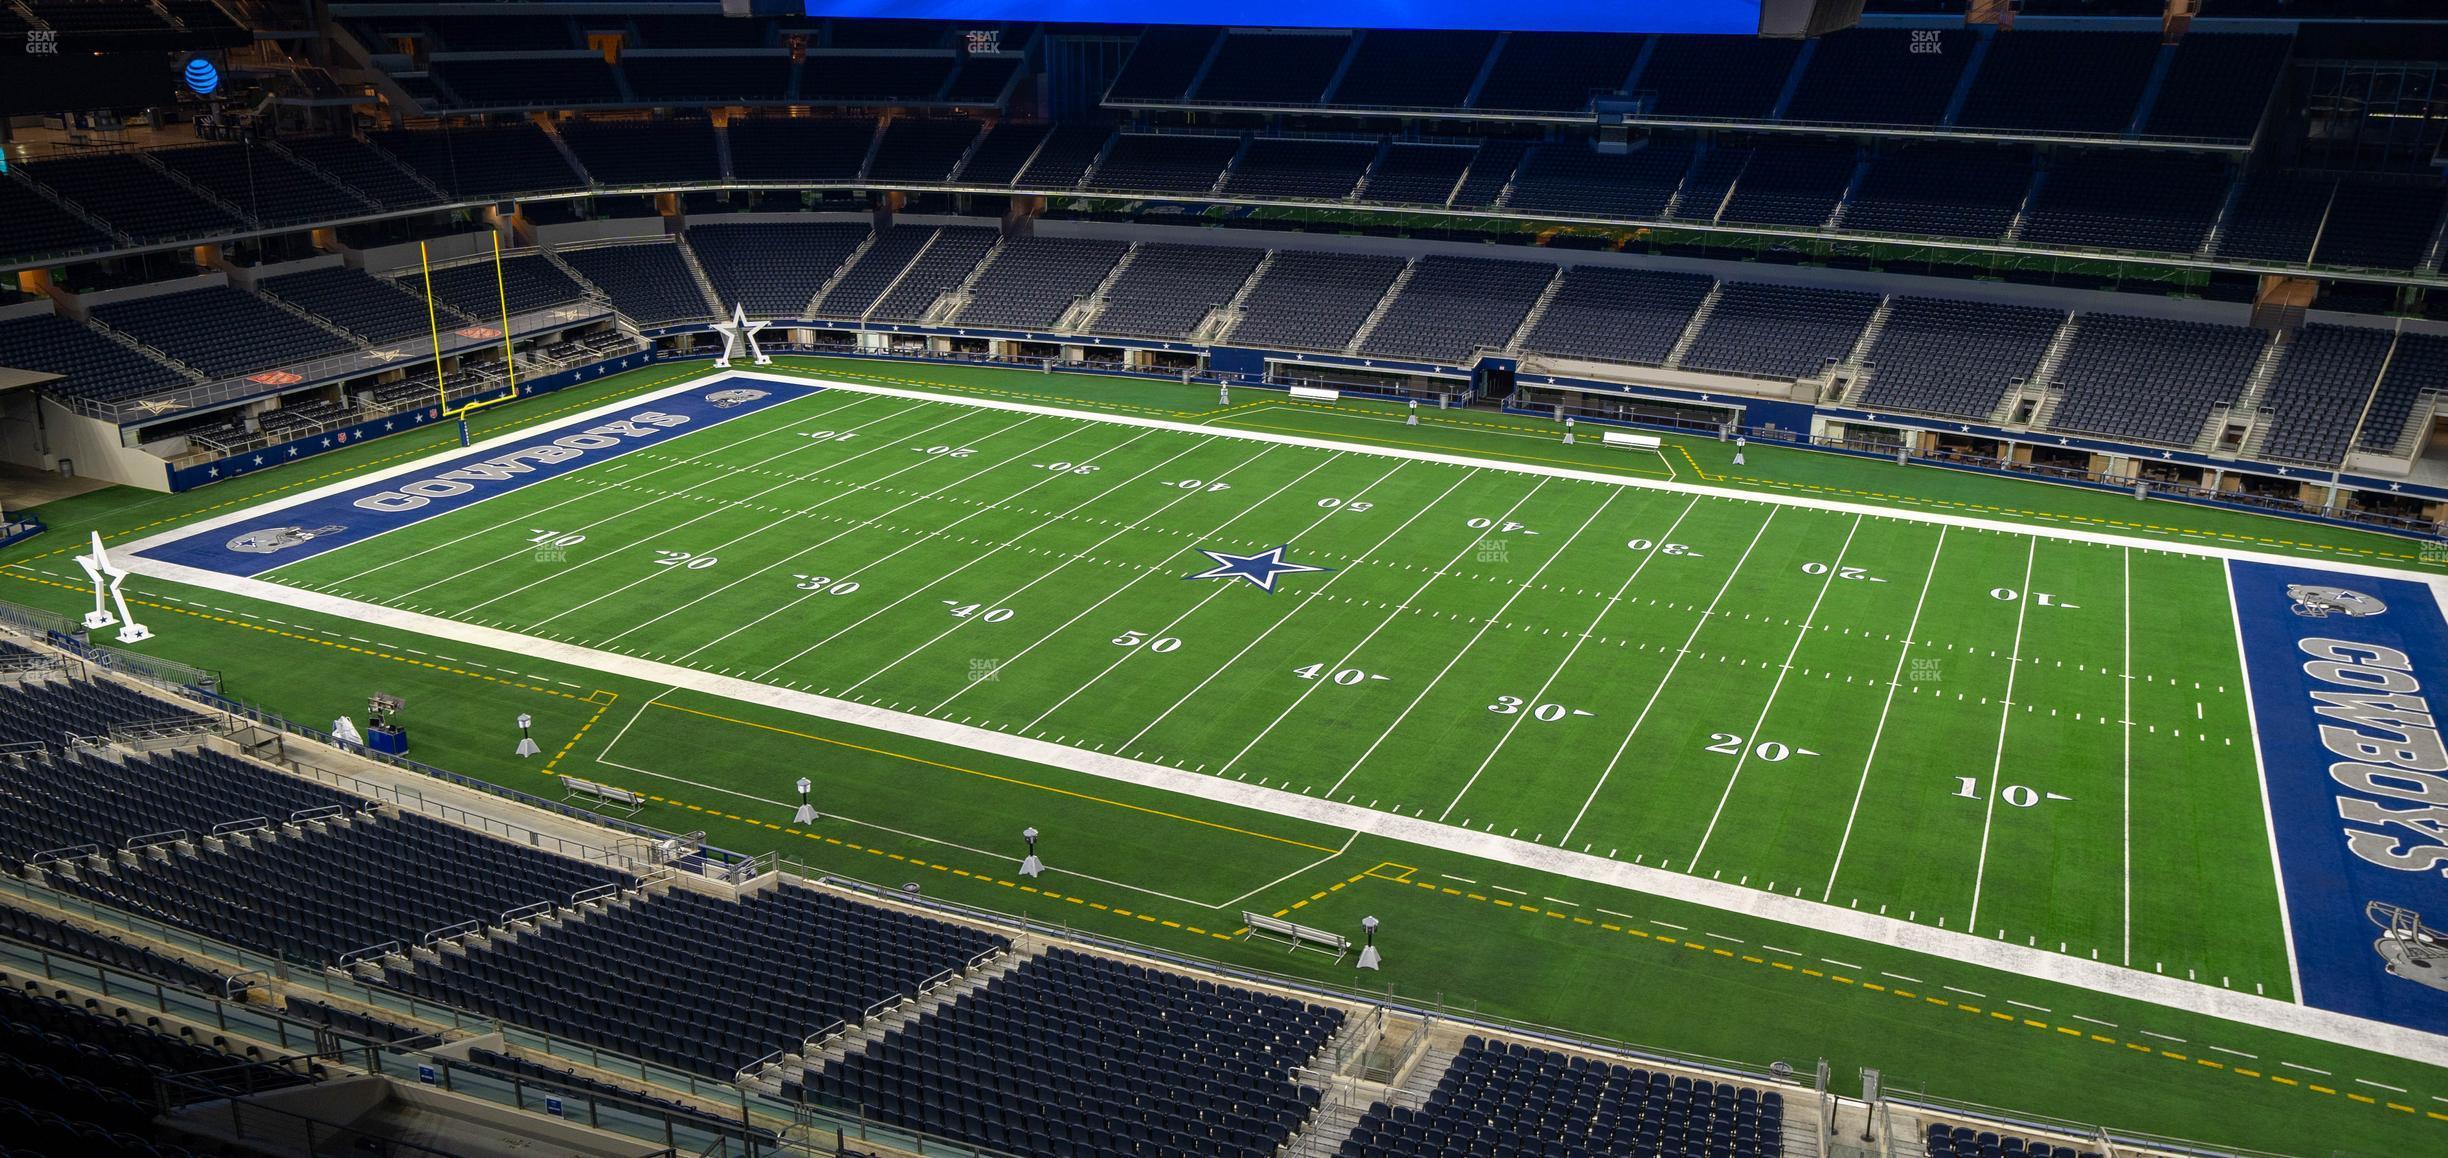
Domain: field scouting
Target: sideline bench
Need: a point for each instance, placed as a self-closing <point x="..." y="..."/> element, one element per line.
<point x="1635" y="441"/>
<point x="609" y="798"/>
<point x="1298" y="936"/>
<point x="1316" y="394"/>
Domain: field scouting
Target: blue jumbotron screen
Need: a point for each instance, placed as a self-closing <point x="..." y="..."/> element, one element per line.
<point x="1740" y="17"/>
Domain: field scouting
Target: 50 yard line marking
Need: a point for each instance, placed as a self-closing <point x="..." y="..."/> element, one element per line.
<point x="1894" y="681"/>
<point x="1219" y="590"/>
<point x="1997" y="768"/>
<point x="1109" y="596"/>
<point x="1750" y="738"/>
<point x="1663" y="680"/>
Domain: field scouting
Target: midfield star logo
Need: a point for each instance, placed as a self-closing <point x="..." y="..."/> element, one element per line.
<point x="1259" y="569"/>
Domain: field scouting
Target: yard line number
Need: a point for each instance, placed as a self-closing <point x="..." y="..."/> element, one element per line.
<point x="1544" y="713"/>
<point x="978" y="611"/>
<point x="1347" y="676"/>
<point x="825" y="584"/>
<point x="1160" y="645"/>
<point x="685" y="560"/>
<point x="2018" y="795"/>
<point x="1773" y="751"/>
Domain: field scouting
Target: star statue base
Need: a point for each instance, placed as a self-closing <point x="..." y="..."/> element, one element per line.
<point x="805" y="815"/>
<point x="97" y="620"/>
<point x="527" y="746"/>
<point x="135" y="633"/>
<point x="1369" y="958"/>
<point x="1032" y="866"/>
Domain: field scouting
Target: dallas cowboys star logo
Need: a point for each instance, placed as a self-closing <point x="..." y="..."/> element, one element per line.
<point x="1260" y="569"/>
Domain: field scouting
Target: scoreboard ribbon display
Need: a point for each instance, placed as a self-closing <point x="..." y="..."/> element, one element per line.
<point x="1728" y="17"/>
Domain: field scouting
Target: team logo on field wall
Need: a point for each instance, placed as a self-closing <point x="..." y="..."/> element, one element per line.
<point x="2313" y="602"/>
<point x="727" y="399"/>
<point x="268" y="540"/>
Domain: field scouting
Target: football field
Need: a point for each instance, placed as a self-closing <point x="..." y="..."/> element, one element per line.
<point x="2035" y="739"/>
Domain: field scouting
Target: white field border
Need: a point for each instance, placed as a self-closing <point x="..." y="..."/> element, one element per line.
<point x="2174" y="993"/>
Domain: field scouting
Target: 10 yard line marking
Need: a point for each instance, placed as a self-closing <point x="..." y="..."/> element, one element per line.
<point x="1660" y="689"/>
<point x="1749" y="745"/>
<point x="1894" y="681"/>
<point x="1997" y="768"/>
<point x="1486" y="625"/>
<point x="1391" y="616"/>
<point x="1575" y="649"/>
<point x="583" y="493"/>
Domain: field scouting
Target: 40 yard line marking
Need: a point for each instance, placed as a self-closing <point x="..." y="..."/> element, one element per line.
<point x="1997" y="768"/>
<point x="1668" y="678"/>
<point x="1391" y="616"/>
<point x="1749" y="739"/>
<point x="1486" y="625"/>
<point x="1894" y="681"/>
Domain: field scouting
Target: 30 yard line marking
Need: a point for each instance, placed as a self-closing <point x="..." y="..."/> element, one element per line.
<point x="1391" y="616"/>
<point x="1486" y="624"/>
<point x="1663" y="680"/>
<point x="1743" y="757"/>
<point x="1895" y="680"/>
<point x="1997" y="767"/>
<point x="1540" y="696"/>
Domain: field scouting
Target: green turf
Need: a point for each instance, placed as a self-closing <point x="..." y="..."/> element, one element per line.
<point x="1172" y="871"/>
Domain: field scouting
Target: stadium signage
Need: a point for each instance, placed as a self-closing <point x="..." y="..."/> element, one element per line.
<point x="508" y="468"/>
<point x="2397" y="803"/>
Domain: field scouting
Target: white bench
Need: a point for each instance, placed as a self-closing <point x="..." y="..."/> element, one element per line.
<point x="1298" y="936"/>
<point x="609" y="798"/>
<point x="1316" y="394"/>
<point x="1627" y="438"/>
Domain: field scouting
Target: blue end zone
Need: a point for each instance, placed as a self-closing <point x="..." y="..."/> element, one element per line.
<point x="2342" y="668"/>
<point x="336" y="520"/>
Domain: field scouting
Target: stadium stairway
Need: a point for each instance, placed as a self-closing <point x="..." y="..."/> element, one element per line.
<point x="839" y="272"/>
<point x="1538" y="310"/>
<point x="856" y="1038"/>
<point x="1385" y="305"/>
<point x="201" y="193"/>
<point x="2246" y="409"/>
<point x="1081" y="318"/>
<point x="715" y="306"/>
<point x="1228" y="315"/>
<point x="1691" y="329"/>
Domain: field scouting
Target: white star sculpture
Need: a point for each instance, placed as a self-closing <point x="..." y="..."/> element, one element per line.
<point x="739" y="329"/>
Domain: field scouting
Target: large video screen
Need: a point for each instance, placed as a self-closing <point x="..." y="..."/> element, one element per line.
<point x="1734" y="17"/>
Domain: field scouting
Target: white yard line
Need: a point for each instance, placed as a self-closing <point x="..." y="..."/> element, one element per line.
<point x="1391" y="616"/>
<point x="1134" y="580"/>
<point x="872" y="520"/>
<point x="1894" y="680"/>
<point x="1486" y="624"/>
<point x="1074" y="557"/>
<point x="523" y="516"/>
<point x="1286" y="617"/>
<point x="1540" y="696"/>
<point x="2125" y="730"/>
<point x="683" y="492"/>
<point x="966" y="564"/>
<point x="828" y="500"/>
<point x="1997" y="766"/>
<point x="1751" y="738"/>
<point x="1671" y="666"/>
<point x="2269" y="819"/>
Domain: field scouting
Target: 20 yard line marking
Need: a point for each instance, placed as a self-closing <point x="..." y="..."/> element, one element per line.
<point x="1997" y="767"/>
<point x="1742" y="758"/>
<point x="1485" y="625"/>
<point x="1552" y="676"/>
<point x="1894" y="681"/>
<point x="1671" y="665"/>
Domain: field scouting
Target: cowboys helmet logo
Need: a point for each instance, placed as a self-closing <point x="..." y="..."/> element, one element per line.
<point x="730" y="398"/>
<point x="2314" y="602"/>
<point x="2408" y="948"/>
<point x="267" y="540"/>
